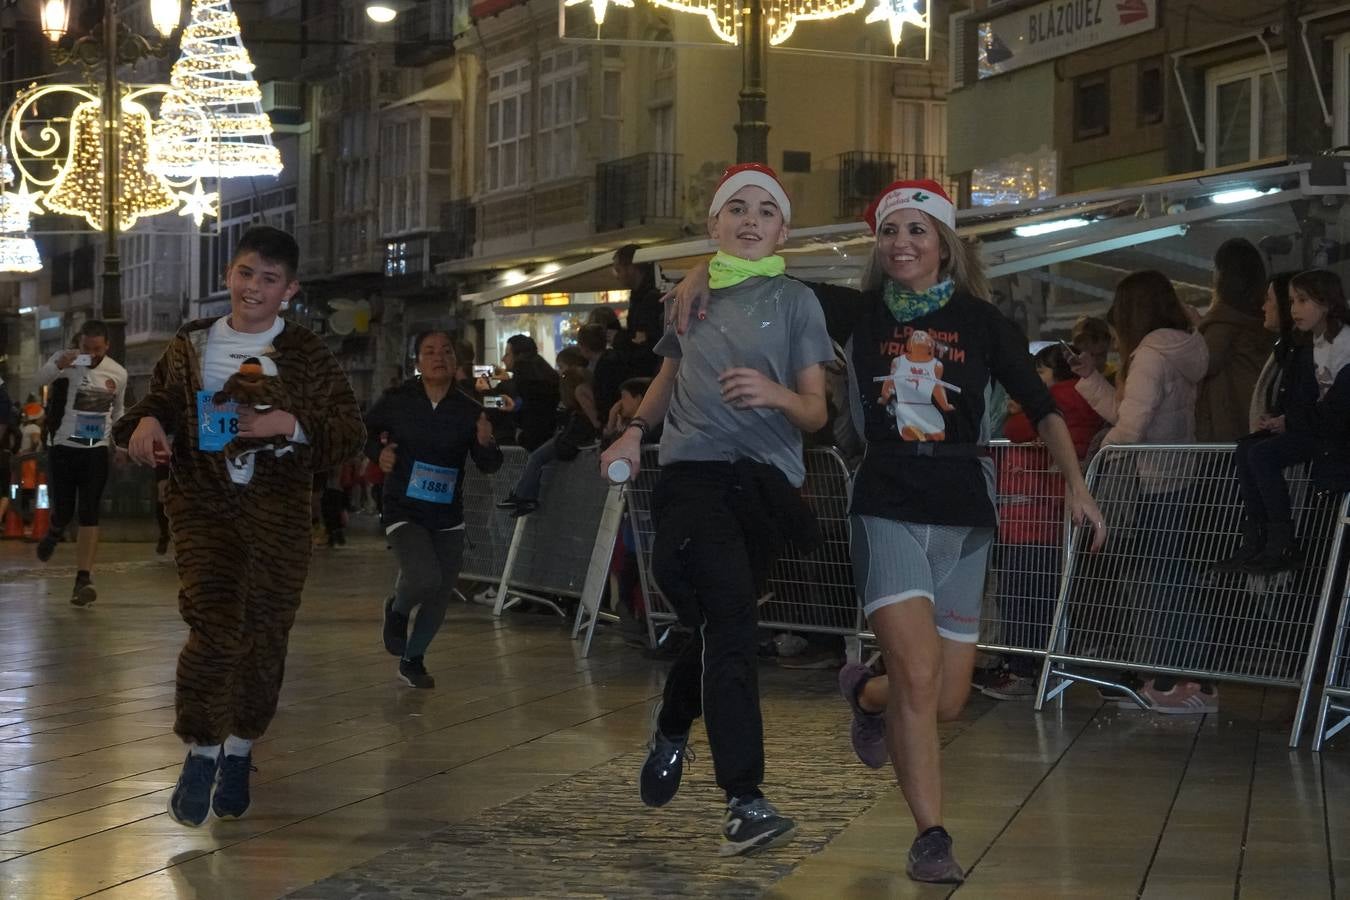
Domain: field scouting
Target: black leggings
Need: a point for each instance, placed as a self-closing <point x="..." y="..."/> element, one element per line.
<point x="77" y="472"/>
<point x="702" y="564"/>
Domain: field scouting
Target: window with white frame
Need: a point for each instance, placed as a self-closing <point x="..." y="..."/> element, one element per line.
<point x="508" y="128"/>
<point x="400" y="172"/>
<point x="563" y="99"/>
<point x="137" y="272"/>
<point x="1244" y="111"/>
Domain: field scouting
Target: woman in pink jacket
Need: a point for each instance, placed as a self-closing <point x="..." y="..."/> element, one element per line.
<point x="1162" y="363"/>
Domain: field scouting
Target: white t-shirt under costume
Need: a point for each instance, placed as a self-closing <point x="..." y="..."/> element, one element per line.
<point x="94" y="400"/>
<point x="226" y="349"/>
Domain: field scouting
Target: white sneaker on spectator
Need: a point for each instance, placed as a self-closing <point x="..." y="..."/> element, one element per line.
<point x="486" y="597"/>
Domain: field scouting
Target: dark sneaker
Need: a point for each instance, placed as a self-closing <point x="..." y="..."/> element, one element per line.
<point x="230" y="800"/>
<point x="414" y="674"/>
<point x="84" y="593"/>
<point x="1008" y="686"/>
<point x="395" y="629"/>
<point x="930" y="858"/>
<point x="664" y="766"/>
<point x="190" y="802"/>
<point x="754" y="825"/>
<point x="867" y="730"/>
<point x="509" y="503"/>
<point x="524" y="508"/>
<point x="162" y="545"/>
<point x="47" y="546"/>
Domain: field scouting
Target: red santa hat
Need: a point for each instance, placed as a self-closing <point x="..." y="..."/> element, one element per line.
<point x="747" y="174"/>
<point x="922" y="194"/>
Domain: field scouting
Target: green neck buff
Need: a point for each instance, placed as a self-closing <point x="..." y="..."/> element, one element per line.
<point x="725" y="270"/>
<point x="907" y="305"/>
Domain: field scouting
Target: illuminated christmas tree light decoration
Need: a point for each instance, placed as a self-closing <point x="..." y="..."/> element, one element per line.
<point x="78" y="190"/>
<point x="18" y="252"/>
<point x="214" y="72"/>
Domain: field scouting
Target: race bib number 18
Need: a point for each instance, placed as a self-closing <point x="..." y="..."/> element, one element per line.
<point x="217" y="423"/>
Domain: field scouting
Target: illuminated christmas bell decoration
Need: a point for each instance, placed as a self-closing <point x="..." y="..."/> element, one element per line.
<point x="214" y="72"/>
<point x="78" y="190"/>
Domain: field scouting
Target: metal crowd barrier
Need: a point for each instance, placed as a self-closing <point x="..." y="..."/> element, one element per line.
<point x="816" y="593"/>
<point x="487" y="529"/>
<point x="1148" y="602"/>
<point x="1336" y="684"/>
<point x="550" y="550"/>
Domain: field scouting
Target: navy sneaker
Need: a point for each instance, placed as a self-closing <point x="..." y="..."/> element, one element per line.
<point x="230" y="801"/>
<point x="753" y="825"/>
<point x="664" y="766"/>
<point x="395" y="629"/>
<point x="190" y="802"/>
<point x="930" y="858"/>
<point x="414" y="674"/>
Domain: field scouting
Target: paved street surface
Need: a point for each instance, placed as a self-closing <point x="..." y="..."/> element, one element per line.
<point x="516" y="776"/>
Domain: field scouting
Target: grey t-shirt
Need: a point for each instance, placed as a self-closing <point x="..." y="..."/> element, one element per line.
<point x="773" y="325"/>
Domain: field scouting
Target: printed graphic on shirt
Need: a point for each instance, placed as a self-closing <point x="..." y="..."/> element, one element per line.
<point x="914" y="394"/>
<point x="95" y="394"/>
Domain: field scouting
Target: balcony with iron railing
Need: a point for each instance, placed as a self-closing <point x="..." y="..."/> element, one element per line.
<point x="863" y="175"/>
<point x="344" y="245"/>
<point x="459" y="220"/>
<point x="637" y="190"/>
<point x="425" y="33"/>
<point x="544" y="216"/>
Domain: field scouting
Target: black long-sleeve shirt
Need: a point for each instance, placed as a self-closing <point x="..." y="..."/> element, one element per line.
<point x="902" y="386"/>
<point x="440" y="438"/>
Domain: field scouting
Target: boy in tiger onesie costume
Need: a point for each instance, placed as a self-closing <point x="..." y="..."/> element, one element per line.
<point x="240" y="525"/>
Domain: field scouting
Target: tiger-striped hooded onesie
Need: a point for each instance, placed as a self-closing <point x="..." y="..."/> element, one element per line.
<point x="242" y="550"/>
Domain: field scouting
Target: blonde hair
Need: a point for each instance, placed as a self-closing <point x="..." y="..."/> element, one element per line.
<point x="962" y="264"/>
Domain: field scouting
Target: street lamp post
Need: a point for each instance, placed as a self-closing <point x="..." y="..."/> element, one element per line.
<point x="752" y="131"/>
<point x="114" y="45"/>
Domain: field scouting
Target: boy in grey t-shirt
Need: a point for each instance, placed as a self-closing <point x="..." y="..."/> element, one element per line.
<point x="736" y="395"/>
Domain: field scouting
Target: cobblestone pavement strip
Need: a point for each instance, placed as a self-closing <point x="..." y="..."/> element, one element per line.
<point x="590" y="835"/>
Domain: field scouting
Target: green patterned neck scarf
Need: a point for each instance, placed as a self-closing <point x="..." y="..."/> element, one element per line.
<point x="907" y="305"/>
<point x="726" y="270"/>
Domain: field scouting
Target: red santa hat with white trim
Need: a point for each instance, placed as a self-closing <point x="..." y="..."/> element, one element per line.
<point x="923" y="194"/>
<point x="744" y="175"/>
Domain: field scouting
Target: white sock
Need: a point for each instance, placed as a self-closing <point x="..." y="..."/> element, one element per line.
<point x="237" y="746"/>
<point x="210" y="751"/>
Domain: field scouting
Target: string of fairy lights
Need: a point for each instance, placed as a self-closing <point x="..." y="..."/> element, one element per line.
<point x="210" y="126"/>
<point x="782" y="16"/>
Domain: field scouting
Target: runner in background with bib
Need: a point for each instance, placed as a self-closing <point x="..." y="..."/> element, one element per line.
<point x="421" y="433"/>
<point x="88" y="389"/>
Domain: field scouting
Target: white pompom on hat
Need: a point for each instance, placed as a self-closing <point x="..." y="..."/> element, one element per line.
<point x="744" y="175"/>
<point x="922" y="194"/>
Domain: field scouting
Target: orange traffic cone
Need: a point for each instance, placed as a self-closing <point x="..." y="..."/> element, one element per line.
<point x="13" y="523"/>
<point x="42" y="514"/>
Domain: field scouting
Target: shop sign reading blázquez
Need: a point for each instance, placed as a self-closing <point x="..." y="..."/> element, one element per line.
<point x="1052" y="29"/>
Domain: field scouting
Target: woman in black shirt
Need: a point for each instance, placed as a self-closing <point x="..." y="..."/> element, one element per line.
<point x="421" y="433"/>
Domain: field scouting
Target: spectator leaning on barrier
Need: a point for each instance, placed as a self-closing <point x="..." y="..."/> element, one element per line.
<point x="1313" y="425"/>
<point x="532" y="391"/>
<point x="1237" y="340"/>
<point x="1162" y="363"/>
<point x="580" y="426"/>
<point x="735" y="397"/>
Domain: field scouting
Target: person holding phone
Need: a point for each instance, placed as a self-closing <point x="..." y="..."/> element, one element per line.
<point x="421" y="433"/>
<point x="88" y="395"/>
